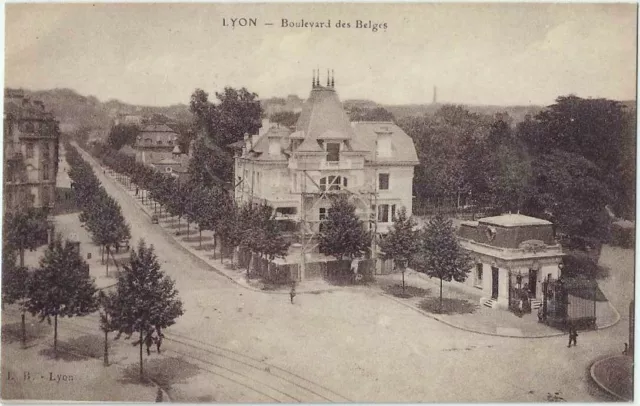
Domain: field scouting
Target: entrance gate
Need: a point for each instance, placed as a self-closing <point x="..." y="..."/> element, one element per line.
<point x="569" y="302"/>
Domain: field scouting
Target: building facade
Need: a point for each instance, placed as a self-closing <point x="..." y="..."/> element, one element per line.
<point x="295" y="169"/>
<point x="155" y="143"/>
<point x="512" y="253"/>
<point x="31" y="142"/>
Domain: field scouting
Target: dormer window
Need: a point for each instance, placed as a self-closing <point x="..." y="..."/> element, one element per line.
<point x="333" y="152"/>
<point x="383" y="145"/>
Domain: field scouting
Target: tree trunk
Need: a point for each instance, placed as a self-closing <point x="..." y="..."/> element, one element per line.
<point x="102" y="254"/>
<point x="215" y="244"/>
<point x="188" y="225"/>
<point x="107" y="249"/>
<point x="179" y="225"/>
<point x="23" y="326"/>
<point x="403" y="283"/>
<point x="106" y="348"/>
<point x="21" y="257"/>
<point x="249" y="264"/>
<point x="141" y="372"/>
<point x="55" y="336"/>
<point x="199" y="229"/>
<point x="440" y="295"/>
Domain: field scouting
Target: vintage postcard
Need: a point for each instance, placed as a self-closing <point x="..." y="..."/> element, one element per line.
<point x="319" y="202"/>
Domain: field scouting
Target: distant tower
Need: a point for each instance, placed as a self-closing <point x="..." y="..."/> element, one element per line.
<point x="435" y="95"/>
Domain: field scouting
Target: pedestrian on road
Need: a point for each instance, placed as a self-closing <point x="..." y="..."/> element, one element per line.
<point x="159" y="339"/>
<point x="573" y="336"/>
<point x="293" y="291"/>
<point x="148" y="341"/>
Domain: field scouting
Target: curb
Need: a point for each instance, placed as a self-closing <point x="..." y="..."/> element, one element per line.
<point x="600" y="384"/>
<point x="486" y="333"/>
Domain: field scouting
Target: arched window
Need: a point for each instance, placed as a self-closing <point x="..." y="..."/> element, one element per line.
<point x="333" y="183"/>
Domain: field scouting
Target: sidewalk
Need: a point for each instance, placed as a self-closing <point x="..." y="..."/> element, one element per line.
<point x="68" y="226"/>
<point x="467" y="313"/>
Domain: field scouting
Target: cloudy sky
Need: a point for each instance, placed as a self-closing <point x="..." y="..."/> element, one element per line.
<point x="474" y="53"/>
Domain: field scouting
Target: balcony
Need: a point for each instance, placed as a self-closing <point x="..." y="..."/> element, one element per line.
<point x="345" y="164"/>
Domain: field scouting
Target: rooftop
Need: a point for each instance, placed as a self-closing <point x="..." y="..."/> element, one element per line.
<point x="514" y="220"/>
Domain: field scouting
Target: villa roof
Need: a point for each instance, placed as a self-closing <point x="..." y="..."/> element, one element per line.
<point x="309" y="145"/>
<point x="402" y="147"/>
<point x="514" y="220"/>
<point x="324" y="119"/>
<point x="322" y="113"/>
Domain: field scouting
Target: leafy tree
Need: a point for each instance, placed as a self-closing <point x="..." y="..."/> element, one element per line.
<point x="15" y="281"/>
<point x="121" y="135"/>
<point x="600" y="131"/>
<point x="146" y="298"/>
<point x="261" y="232"/>
<point x="107" y="225"/>
<point x="343" y="234"/>
<point x="447" y="143"/>
<point x="237" y="113"/>
<point x="230" y="229"/>
<point x="61" y="286"/>
<point x="509" y="180"/>
<point x="400" y="243"/>
<point x="285" y="118"/>
<point x="210" y="165"/>
<point x="25" y="230"/>
<point x="274" y="244"/>
<point x="370" y="114"/>
<point x="439" y="254"/>
<point x="571" y="190"/>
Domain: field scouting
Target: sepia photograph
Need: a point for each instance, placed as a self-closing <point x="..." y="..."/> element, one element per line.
<point x="319" y="202"/>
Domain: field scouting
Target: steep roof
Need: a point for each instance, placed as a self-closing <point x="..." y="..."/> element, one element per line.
<point x="514" y="220"/>
<point x="322" y="114"/>
<point x="260" y="150"/>
<point x="309" y="145"/>
<point x="402" y="147"/>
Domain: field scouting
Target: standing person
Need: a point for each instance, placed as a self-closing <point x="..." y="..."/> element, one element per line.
<point x="354" y="270"/>
<point x="149" y="340"/>
<point x="159" y="339"/>
<point x="293" y="291"/>
<point x="573" y="336"/>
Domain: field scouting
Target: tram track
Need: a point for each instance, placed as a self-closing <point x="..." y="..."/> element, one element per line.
<point x="273" y="383"/>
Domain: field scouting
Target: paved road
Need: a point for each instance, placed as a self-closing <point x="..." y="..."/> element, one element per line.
<point x="364" y="347"/>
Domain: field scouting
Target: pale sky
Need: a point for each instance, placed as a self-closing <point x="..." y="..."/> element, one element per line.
<point x="157" y="54"/>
